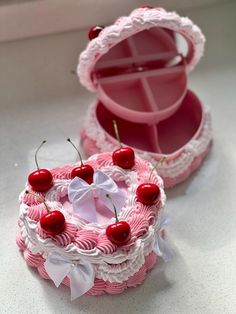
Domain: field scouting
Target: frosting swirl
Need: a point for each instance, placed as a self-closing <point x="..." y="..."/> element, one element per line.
<point x="62" y="239"/>
<point x="20" y="242"/>
<point x="33" y="260"/>
<point x="30" y="199"/>
<point x="35" y="212"/>
<point x="85" y="239"/>
<point x="105" y="245"/>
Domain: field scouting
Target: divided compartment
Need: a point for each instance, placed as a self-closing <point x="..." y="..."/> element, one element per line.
<point x="143" y="78"/>
<point x="167" y="137"/>
<point x="138" y="135"/>
<point x="144" y="97"/>
<point x="182" y="126"/>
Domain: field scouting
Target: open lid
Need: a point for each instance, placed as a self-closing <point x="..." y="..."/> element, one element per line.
<point x="136" y="67"/>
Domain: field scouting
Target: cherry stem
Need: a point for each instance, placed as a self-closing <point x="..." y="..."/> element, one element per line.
<point x="80" y="157"/>
<point x="116" y="132"/>
<point x="39" y="198"/>
<point x="114" y="207"/>
<point x="156" y="166"/>
<point x="35" y="155"/>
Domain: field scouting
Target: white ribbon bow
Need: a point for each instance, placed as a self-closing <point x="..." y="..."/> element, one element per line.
<point x="82" y="195"/>
<point x="81" y="274"/>
<point x="160" y="246"/>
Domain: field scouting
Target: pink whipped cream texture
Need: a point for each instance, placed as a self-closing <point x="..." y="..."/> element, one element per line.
<point x="80" y="236"/>
<point x="100" y="286"/>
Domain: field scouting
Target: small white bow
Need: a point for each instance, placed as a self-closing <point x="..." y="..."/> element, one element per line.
<point x="81" y="274"/>
<point x="82" y="195"/>
<point x="160" y="246"/>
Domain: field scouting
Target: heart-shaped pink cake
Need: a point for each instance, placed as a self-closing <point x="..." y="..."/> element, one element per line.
<point x="83" y="254"/>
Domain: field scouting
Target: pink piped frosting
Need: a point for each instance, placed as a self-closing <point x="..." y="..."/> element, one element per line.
<point x="138" y="277"/>
<point x="30" y="199"/>
<point x="85" y="239"/>
<point x="147" y="212"/>
<point x="62" y="239"/>
<point x="150" y="260"/>
<point x="37" y="211"/>
<point x="42" y="272"/>
<point x="100" y="286"/>
<point x="92" y="163"/>
<point x="91" y="240"/>
<point x="138" y="225"/>
<point x="33" y="260"/>
<point x="20" y="242"/>
<point x="142" y="167"/>
<point x="115" y="287"/>
<point x="140" y="218"/>
<point x="104" y="162"/>
<point x="62" y="172"/>
<point x="105" y="245"/>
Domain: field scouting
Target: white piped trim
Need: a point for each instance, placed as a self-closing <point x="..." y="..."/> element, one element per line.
<point x="127" y="26"/>
<point x="171" y="168"/>
<point x="102" y="262"/>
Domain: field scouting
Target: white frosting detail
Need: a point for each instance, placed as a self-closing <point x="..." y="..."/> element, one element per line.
<point x="58" y="190"/>
<point x="29" y="226"/>
<point x="129" y="25"/>
<point x="172" y="167"/>
<point x="131" y="261"/>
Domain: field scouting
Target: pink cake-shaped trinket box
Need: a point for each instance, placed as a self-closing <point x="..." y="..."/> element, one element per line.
<point x="68" y="231"/>
<point x="140" y="76"/>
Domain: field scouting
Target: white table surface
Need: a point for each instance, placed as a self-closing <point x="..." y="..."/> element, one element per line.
<point x="40" y="98"/>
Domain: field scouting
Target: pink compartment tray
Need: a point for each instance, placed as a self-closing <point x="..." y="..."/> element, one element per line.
<point x="140" y="76"/>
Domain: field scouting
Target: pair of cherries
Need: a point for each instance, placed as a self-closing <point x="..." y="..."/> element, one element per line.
<point x="122" y="157"/>
<point x="119" y="233"/>
<point x="41" y="180"/>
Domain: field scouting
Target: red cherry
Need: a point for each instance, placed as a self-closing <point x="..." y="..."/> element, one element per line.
<point x="146" y="7"/>
<point x="94" y="31"/>
<point x="148" y="193"/>
<point x="119" y="233"/>
<point x="40" y="180"/>
<point x="53" y="222"/>
<point x="124" y="157"/>
<point x="84" y="172"/>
